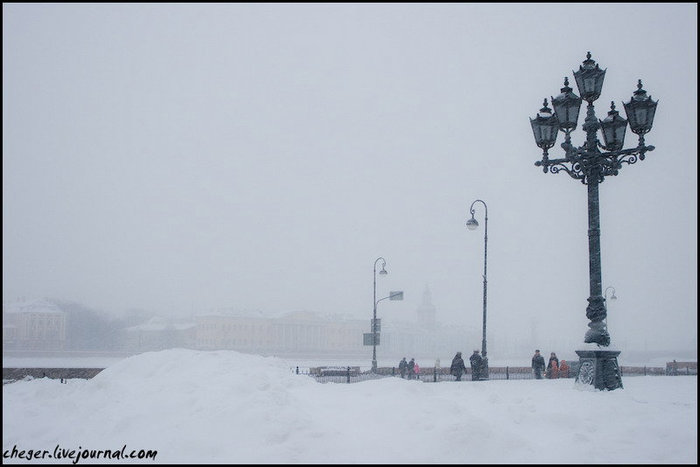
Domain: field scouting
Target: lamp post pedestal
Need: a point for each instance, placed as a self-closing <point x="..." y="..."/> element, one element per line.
<point x="599" y="368"/>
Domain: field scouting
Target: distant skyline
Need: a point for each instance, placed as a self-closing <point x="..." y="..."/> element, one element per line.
<point x="180" y="157"/>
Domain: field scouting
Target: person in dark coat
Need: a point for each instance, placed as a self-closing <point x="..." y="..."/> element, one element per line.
<point x="553" y="366"/>
<point x="476" y="362"/>
<point x="538" y="364"/>
<point x="403" y="366"/>
<point x="410" y="369"/>
<point x="458" y="368"/>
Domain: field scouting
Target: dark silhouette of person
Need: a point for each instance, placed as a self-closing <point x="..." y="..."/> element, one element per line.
<point x="553" y="366"/>
<point x="411" y="368"/>
<point x="458" y="368"/>
<point x="538" y="364"/>
<point x="403" y="366"/>
<point x="476" y="362"/>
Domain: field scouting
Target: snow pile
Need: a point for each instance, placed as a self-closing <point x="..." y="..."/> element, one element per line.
<point x="227" y="407"/>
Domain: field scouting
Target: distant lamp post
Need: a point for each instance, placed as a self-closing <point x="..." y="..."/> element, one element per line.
<point x="588" y="164"/>
<point x="374" y="315"/>
<point x="613" y="296"/>
<point x="472" y="224"/>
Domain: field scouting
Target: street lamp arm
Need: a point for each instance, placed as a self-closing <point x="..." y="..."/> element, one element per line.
<point x="471" y="208"/>
<point x="377" y="260"/>
<point x="377" y="302"/>
<point x="557" y="165"/>
<point x="605" y="294"/>
<point x="581" y="162"/>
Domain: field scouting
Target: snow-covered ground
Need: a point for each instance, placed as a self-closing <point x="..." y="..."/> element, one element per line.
<point x="227" y="407"/>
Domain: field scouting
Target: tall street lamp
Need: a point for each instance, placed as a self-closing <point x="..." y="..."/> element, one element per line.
<point x="472" y="224"/>
<point x="588" y="164"/>
<point x="374" y="315"/>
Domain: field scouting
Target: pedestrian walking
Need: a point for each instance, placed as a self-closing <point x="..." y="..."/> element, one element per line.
<point x="416" y="370"/>
<point x="411" y="368"/>
<point x="403" y="367"/>
<point x="458" y="368"/>
<point x="476" y="362"/>
<point x="553" y="366"/>
<point x="538" y="364"/>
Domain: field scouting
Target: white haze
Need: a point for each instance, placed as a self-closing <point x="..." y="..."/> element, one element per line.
<point x="181" y="158"/>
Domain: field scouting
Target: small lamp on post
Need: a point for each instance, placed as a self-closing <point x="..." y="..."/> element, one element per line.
<point x="566" y="109"/>
<point x="589" y="79"/>
<point x="614" y="128"/>
<point x="545" y="128"/>
<point x="640" y="111"/>
<point x="613" y="296"/>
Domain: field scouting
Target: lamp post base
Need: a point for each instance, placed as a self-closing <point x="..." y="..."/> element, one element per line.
<point x="599" y="368"/>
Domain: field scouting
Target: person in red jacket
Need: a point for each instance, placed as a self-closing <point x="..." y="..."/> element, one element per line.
<point x="564" y="369"/>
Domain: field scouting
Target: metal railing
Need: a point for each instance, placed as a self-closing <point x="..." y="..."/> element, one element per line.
<point x="438" y="375"/>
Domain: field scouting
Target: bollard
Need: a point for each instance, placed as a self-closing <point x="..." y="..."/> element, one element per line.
<point x="348" y="374"/>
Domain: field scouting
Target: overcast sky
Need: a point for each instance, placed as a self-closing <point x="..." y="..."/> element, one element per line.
<point x="180" y="158"/>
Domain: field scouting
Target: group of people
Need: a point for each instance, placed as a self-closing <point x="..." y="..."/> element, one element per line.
<point x="458" y="368"/>
<point x="410" y="369"/>
<point x="553" y="370"/>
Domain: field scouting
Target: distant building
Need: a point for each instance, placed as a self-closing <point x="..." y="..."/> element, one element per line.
<point x="298" y="332"/>
<point x="35" y="324"/>
<point x="159" y="334"/>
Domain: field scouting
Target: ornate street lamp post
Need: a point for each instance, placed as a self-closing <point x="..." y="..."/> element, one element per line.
<point x="587" y="163"/>
<point x="472" y="224"/>
<point x="374" y="315"/>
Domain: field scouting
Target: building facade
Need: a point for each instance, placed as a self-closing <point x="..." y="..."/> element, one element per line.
<point x="35" y="324"/>
<point x="298" y="332"/>
<point x="160" y="334"/>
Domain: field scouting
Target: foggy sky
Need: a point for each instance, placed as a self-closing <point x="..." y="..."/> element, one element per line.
<point x="181" y="158"/>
